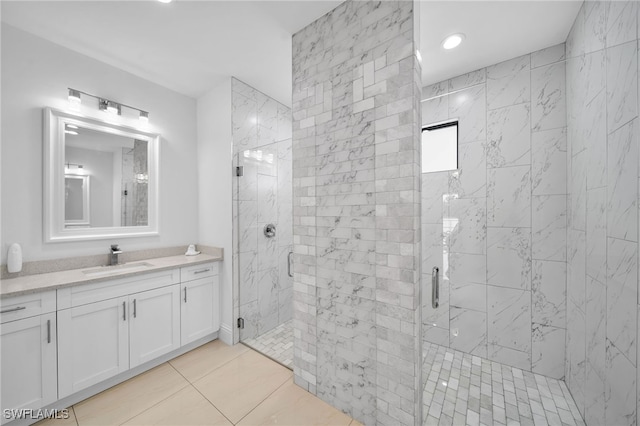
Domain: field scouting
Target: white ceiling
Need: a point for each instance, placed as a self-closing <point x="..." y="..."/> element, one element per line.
<point x="495" y="31"/>
<point x="188" y="46"/>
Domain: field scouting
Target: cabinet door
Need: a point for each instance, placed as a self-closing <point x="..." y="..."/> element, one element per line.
<point x="155" y="323"/>
<point x="93" y="344"/>
<point x="29" y="375"/>
<point x="200" y="313"/>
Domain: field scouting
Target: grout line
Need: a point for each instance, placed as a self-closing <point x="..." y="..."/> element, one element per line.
<point x="267" y="397"/>
<point x="157" y="403"/>
<point x="212" y="404"/>
<point x="75" y="417"/>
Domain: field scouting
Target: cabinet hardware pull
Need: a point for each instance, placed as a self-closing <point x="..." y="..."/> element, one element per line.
<point x="185" y="295"/>
<point x="435" y="288"/>
<point x="124" y="311"/>
<point x="202" y="271"/>
<point x="48" y="331"/>
<point x="19" y="308"/>
<point x="289" y="262"/>
<point x="134" y="308"/>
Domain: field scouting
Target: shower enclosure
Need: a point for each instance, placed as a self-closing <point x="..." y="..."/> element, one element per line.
<point x="263" y="222"/>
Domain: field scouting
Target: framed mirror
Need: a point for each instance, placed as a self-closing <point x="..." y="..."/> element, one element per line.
<point x="100" y="179"/>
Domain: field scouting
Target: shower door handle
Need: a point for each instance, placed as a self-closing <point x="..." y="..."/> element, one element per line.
<point x="435" y="288"/>
<point x="289" y="262"/>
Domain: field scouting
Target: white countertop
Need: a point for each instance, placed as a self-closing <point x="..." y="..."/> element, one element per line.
<point x="54" y="280"/>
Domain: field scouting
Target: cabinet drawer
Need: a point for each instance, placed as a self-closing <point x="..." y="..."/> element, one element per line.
<point x="28" y="305"/>
<point x="190" y="273"/>
<point x="90" y="293"/>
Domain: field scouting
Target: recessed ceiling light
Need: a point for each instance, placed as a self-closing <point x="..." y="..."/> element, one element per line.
<point x="453" y="41"/>
<point x="165" y="1"/>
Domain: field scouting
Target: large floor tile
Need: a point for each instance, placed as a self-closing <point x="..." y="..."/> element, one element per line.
<point x="69" y="421"/>
<point x="201" y="361"/>
<point x="242" y="383"/>
<point x="292" y="405"/>
<point x="128" y="399"/>
<point x="187" y="407"/>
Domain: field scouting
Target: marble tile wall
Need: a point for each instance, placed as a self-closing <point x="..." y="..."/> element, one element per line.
<point x="496" y="226"/>
<point x="263" y="195"/>
<point x="356" y="207"/>
<point x="602" y="250"/>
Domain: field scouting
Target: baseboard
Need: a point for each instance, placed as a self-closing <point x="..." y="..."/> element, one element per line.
<point x="226" y="334"/>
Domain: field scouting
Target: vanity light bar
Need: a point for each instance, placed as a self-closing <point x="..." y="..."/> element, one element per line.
<point x="107" y="105"/>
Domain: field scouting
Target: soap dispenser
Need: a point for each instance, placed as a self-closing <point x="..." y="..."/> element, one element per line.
<point x="14" y="258"/>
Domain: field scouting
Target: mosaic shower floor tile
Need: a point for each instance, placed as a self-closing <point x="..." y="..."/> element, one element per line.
<point x="276" y="343"/>
<point x="462" y="389"/>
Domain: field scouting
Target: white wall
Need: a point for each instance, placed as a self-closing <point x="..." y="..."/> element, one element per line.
<point x="215" y="188"/>
<point x="36" y="74"/>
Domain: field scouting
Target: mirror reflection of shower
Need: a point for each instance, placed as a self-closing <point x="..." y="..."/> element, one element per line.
<point x="135" y="185"/>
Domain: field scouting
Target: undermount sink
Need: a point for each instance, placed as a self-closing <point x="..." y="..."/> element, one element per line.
<point x="116" y="269"/>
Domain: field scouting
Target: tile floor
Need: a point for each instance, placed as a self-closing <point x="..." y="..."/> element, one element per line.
<point x="214" y="384"/>
<point x="276" y="343"/>
<point x="462" y="389"/>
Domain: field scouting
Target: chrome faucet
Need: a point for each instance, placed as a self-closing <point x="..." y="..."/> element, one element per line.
<point x="113" y="256"/>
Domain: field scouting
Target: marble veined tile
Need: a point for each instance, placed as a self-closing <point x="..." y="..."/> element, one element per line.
<point x="509" y="136"/>
<point x="509" y="318"/>
<point x="468" y="295"/>
<point x="548" y="104"/>
<point x="549" y="223"/>
<point x="595" y="25"/>
<point x="471" y="268"/>
<point x="594" y="136"/>
<point x="597" y="236"/>
<point x="549" y="162"/>
<point x="622" y="85"/>
<point x="435" y="89"/>
<point x="622" y="22"/>
<point x="470" y="180"/>
<point x="268" y="299"/>
<point x="467" y="227"/>
<point x="622" y="183"/>
<point x="575" y="362"/>
<point x="248" y="266"/>
<point x="509" y="257"/>
<point x="509" y="83"/>
<point x="435" y="110"/>
<point x="244" y="117"/>
<point x="434" y="187"/>
<point x="620" y="388"/>
<point x="622" y="295"/>
<point x="470" y="106"/>
<point x="267" y="199"/>
<point x="576" y="268"/>
<point x="548" y="293"/>
<point x="468" y="331"/>
<point x="578" y="191"/>
<point x="594" y="397"/>
<point x="548" y="56"/>
<point x="508" y="356"/>
<point x="575" y="39"/>
<point x="509" y="197"/>
<point x="469" y="79"/>
<point x="547" y="350"/>
<point x="595" y="327"/>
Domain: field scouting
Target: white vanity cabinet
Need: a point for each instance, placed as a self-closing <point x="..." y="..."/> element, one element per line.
<point x="115" y="325"/>
<point x="154" y="324"/>
<point x="28" y="351"/>
<point x="200" y="301"/>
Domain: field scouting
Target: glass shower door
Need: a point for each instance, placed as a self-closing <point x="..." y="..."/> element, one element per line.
<point x="264" y="235"/>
